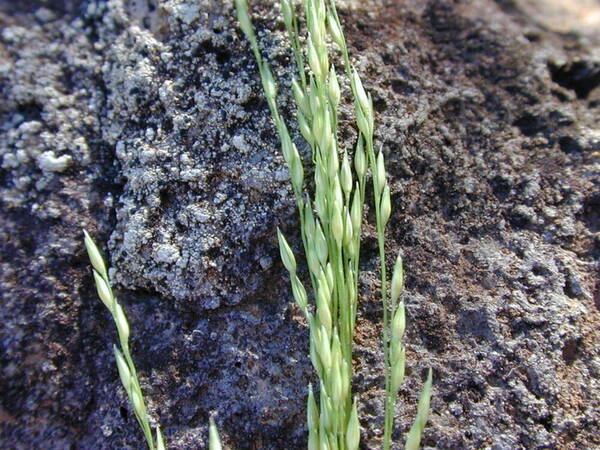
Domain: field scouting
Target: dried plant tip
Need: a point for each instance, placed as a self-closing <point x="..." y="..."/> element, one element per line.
<point x="94" y="254"/>
<point x="397" y="279"/>
<point x="353" y="430"/>
<point x="214" y="440"/>
<point x="287" y="256"/>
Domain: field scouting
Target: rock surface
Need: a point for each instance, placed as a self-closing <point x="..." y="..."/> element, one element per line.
<point x="144" y="122"/>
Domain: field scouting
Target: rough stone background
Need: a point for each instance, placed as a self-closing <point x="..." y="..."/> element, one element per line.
<point x="143" y="121"/>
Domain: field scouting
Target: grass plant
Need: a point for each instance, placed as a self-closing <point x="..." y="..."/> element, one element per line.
<point x="330" y="222"/>
<point x="125" y="365"/>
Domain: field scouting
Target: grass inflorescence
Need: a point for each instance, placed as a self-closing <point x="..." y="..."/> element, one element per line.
<point x="331" y="221"/>
<point x="125" y="366"/>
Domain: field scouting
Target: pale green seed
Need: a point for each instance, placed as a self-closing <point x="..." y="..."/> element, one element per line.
<point x="138" y="402"/>
<point x="360" y="160"/>
<point x="346" y="175"/>
<point x="287" y="256"/>
<point x="301" y="100"/>
<point x="399" y="322"/>
<point x="305" y="129"/>
<point x="335" y="31"/>
<point x="397" y="285"/>
<point x="386" y="206"/>
<point x="337" y="225"/>
<point x="321" y="245"/>
<point x="309" y="222"/>
<point x="123" y="369"/>
<point x="333" y="89"/>
<point x="329" y="276"/>
<point x="361" y="95"/>
<point x="94" y="254"/>
<point x="299" y="293"/>
<point x="121" y="321"/>
<point x="297" y="169"/>
<point x="313" y="60"/>
<point x="353" y="429"/>
<point x="348" y="231"/>
<point x="323" y="311"/>
<point x="104" y="291"/>
<point x="324" y="349"/>
<point x="363" y="123"/>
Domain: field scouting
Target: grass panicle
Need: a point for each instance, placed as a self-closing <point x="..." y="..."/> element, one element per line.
<point x="125" y="365"/>
<point x="330" y="223"/>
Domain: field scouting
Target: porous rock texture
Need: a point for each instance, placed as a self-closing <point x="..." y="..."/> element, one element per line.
<point x="143" y="121"/>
